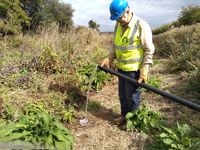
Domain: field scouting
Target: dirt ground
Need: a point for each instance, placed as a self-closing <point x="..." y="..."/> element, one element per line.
<point x="102" y="132"/>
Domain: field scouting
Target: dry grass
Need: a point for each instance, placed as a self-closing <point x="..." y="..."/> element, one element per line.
<point x="20" y="85"/>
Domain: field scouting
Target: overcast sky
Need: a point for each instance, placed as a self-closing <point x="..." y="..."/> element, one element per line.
<point x="155" y="12"/>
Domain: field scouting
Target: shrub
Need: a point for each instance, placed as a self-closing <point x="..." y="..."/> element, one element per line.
<point x="177" y="40"/>
<point x="12" y="17"/>
<point x="189" y="15"/>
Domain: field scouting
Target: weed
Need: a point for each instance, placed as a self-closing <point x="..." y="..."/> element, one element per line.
<point x="68" y="114"/>
<point x="99" y="79"/>
<point x="154" y="81"/>
<point x="94" y="106"/>
<point x="48" y="60"/>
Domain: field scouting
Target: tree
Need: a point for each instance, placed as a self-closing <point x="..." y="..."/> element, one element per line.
<point x="60" y="13"/>
<point x="92" y="24"/>
<point x="43" y="12"/>
<point x="189" y="15"/>
<point x="12" y="17"/>
<point x="33" y="9"/>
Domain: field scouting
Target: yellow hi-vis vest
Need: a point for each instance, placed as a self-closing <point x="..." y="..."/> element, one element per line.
<point x="128" y="49"/>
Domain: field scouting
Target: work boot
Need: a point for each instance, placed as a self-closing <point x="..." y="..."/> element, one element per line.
<point x="121" y="120"/>
<point x="122" y="123"/>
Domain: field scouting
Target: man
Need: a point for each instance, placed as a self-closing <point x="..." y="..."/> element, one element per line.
<point x="133" y="50"/>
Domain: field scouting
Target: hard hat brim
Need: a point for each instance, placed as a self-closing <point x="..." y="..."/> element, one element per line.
<point x="113" y="18"/>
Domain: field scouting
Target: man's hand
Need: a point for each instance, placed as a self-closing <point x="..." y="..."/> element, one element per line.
<point x="143" y="75"/>
<point x="106" y="63"/>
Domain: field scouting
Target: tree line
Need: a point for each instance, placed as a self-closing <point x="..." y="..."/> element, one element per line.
<point x="28" y="15"/>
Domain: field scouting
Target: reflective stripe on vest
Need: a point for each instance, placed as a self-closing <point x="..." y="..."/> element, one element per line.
<point x="131" y="60"/>
<point x="130" y="47"/>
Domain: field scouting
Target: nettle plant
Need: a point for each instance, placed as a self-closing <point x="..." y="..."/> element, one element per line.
<point x="143" y="120"/>
<point x="99" y="78"/>
<point x="37" y="129"/>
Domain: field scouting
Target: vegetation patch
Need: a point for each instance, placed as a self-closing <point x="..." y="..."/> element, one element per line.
<point x="85" y="75"/>
<point x="37" y="130"/>
<point x="178" y="137"/>
<point x="143" y="120"/>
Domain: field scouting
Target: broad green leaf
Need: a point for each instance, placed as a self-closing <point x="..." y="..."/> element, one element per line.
<point x="129" y="125"/>
<point x="185" y="129"/>
<point x="145" y="121"/>
<point x="46" y="118"/>
<point x="70" y="138"/>
<point x="129" y="115"/>
<point x="8" y="129"/>
<point x="59" y="135"/>
<point x="14" y="136"/>
<point x="61" y="127"/>
<point x="168" y="130"/>
<point x="167" y="141"/>
<point x="174" y="146"/>
<point x="68" y="145"/>
<point x="49" y="139"/>
<point x="163" y="135"/>
<point x="60" y="145"/>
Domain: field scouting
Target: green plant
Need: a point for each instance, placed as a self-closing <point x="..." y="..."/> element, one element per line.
<point x="154" y="81"/>
<point x="12" y="17"/>
<point x="94" y="105"/>
<point x="189" y="15"/>
<point x="68" y="115"/>
<point x="38" y="129"/>
<point x="143" y="120"/>
<point x="178" y="138"/>
<point x="99" y="78"/>
<point x="8" y="111"/>
<point x="48" y="60"/>
<point x="31" y="108"/>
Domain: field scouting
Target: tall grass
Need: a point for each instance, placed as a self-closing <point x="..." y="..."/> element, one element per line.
<point x="45" y="63"/>
<point x="182" y="47"/>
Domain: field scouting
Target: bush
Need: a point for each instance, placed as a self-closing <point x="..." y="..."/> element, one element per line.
<point x="43" y="13"/>
<point x="189" y="15"/>
<point x="12" y="17"/>
<point x="177" y="40"/>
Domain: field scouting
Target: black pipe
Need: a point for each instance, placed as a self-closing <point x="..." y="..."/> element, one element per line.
<point x="177" y="99"/>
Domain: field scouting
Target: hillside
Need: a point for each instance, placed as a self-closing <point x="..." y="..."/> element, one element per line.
<point x="48" y="73"/>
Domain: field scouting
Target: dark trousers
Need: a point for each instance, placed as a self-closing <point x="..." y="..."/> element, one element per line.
<point x="129" y="93"/>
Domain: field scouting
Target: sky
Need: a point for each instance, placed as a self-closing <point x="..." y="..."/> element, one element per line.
<point x="155" y="12"/>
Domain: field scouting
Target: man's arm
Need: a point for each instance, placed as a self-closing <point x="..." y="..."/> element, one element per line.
<point x="148" y="46"/>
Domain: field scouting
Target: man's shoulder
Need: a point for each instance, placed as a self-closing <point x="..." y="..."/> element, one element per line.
<point x="142" y="22"/>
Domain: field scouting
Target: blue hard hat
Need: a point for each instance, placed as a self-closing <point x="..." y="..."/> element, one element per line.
<point x="117" y="8"/>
